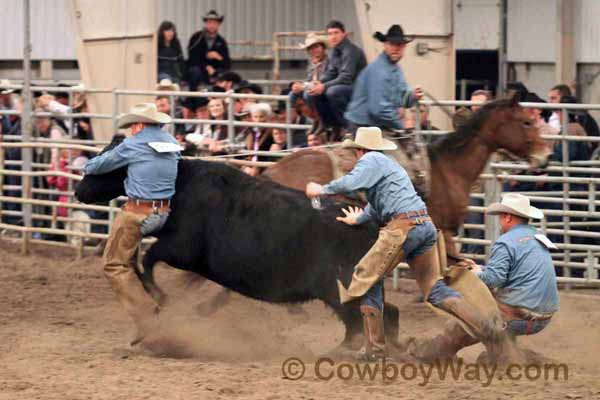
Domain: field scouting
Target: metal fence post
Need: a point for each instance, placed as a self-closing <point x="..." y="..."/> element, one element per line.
<point x="565" y="194"/>
<point x="288" y="120"/>
<point x="230" y="118"/>
<point x="26" y="154"/>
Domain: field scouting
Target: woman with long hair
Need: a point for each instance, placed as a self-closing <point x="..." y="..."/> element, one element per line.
<point x="170" y="56"/>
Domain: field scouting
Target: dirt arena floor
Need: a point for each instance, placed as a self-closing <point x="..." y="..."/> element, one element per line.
<point x="64" y="336"/>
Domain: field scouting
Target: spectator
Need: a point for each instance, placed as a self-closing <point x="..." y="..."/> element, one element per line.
<point x="298" y="110"/>
<point x="228" y="80"/>
<point x="381" y="89"/>
<point x="258" y="139"/>
<point x="60" y="183"/>
<point x="331" y="94"/>
<point x="167" y="85"/>
<point x="208" y="52"/>
<point x="12" y="154"/>
<point x="480" y="96"/>
<point x="214" y="135"/>
<point x="279" y="139"/>
<point x="189" y="107"/>
<point x="315" y="140"/>
<point x="163" y="104"/>
<point x="554" y="96"/>
<point x="6" y="103"/>
<point x="536" y="116"/>
<point x="316" y="47"/>
<point x="171" y="63"/>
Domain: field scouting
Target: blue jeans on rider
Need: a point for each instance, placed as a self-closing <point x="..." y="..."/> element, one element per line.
<point x="419" y="240"/>
<point x="523" y="327"/>
<point x="153" y="223"/>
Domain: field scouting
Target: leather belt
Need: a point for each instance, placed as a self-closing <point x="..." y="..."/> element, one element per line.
<point x="419" y="217"/>
<point x="146" y="206"/>
<point x="521" y="313"/>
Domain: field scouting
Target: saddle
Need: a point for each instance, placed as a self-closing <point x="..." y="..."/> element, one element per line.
<point x="412" y="156"/>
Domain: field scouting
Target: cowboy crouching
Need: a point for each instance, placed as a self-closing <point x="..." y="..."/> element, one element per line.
<point x="407" y="233"/>
<point x="521" y="274"/>
<point x="151" y="156"/>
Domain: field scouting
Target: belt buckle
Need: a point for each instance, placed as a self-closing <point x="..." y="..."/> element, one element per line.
<point x="418" y="220"/>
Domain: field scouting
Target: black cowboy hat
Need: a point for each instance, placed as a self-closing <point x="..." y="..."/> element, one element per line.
<point x="533" y="98"/>
<point x="243" y="85"/>
<point x="193" y="103"/>
<point x="212" y="14"/>
<point x="394" y="35"/>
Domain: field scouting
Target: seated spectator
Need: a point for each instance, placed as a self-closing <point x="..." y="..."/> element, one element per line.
<point x="163" y="104"/>
<point x="228" y="80"/>
<point x="331" y="94"/>
<point x="167" y="85"/>
<point x="316" y="47"/>
<point x="208" y="52"/>
<point x="171" y="64"/>
<point x="258" y="139"/>
<point x="215" y="135"/>
<point x="279" y="139"/>
<point x="314" y="140"/>
<point x="554" y="96"/>
<point x="298" y="116"/>
<point x="480" y="96"/>
<point x="190" y="107"/>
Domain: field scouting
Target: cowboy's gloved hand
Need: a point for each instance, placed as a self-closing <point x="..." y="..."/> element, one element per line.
<point x="313" y="189"/>
<point x="351" y="215"/>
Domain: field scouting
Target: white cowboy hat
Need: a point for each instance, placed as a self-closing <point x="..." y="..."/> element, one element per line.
<point x="312" y="38"/>
<point x="516" y="204"/>
<point x="6" y="82"/>
<point x="145" y="113"/>
<point x="167" y="84"/>
<point x="370" y="138"/>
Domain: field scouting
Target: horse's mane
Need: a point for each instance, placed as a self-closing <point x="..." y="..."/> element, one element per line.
<point x="454" y="143"/>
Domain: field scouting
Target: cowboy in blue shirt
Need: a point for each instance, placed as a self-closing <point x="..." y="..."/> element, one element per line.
<point x="520" y="273"/>
<point x="381" y="88"/>
<point x="407" y="233"/>
<point x="151" y="156"/>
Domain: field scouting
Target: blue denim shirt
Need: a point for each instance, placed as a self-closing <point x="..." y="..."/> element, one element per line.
<point x="378" y="93"/>
<point x="521" y="269"/>
<point x="388" y="186"/>
<point x="150" y="175"/>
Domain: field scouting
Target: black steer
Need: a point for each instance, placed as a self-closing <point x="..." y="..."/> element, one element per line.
<point x="253" y="236"/>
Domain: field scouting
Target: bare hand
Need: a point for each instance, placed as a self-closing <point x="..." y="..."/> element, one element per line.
<point x="351" y="215"/>
<point x="297" y="87"/>
<point x="210" y="70"/>
<point x="313" y="189"/>
<point x="44" y="100"/>
<point x="418" y="92"/>
<point x="317" y="89"/>
<point x="213" y="55"/>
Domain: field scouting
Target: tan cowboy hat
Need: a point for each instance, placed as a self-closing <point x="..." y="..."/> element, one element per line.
<point x="312" y="38"/>
<point x="167" y="84"/>
<point x="145" y="113"/>
<point x="370" y="138"/>
<point x="516" y="204"/>
<point x="6" y="82"/>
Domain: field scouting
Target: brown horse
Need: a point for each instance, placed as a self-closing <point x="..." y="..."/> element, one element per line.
<point x="456" y="160"/>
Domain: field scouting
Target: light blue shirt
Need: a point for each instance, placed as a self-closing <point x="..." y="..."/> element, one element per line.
<point x="150" y="175"/>
<point x="521" y="269"/>
<point x="388" y="186"/>
<point x="378" y="93"/>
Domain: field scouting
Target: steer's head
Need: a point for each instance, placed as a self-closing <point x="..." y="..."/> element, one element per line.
<point x="102" y="188"/>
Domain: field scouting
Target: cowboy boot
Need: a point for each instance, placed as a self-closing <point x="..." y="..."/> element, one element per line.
<point x="374" y="347"/>
<point x="442" y="346"/>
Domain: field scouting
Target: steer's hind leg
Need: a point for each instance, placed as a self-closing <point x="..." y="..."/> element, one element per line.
<point x="147" y="276"/>
<point x="350" y="315"/>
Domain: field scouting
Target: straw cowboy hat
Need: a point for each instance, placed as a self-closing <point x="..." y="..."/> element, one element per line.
<point x="212" y="14"/>
<point x="145" y="113"/>
<point x="167" y="84"/>
<point x="312" y="38"/>
<point x="6" y="82"/>
<point x="516" y="204"/>
<point x="370" y="138"/>
<point x="394" y="35"/>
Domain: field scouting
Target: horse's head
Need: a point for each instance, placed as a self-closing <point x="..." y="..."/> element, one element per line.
<point x="103" y="188"/>
<point x="511" y="129"/>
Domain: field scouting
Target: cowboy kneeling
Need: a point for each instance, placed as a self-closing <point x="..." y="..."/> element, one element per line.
<point x="520" y="271"/>
<point x="151" y="156"/>
<point x="407" y="233"/>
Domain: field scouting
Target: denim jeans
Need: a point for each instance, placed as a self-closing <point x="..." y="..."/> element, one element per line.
<point x="519" y="327"/>
<point x="153" y="223"/>
<point x="331" y="105"/>
<point x="419" y="240"/>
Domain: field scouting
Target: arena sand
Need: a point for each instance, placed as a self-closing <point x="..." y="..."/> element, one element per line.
<point x="64" y="336"/>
